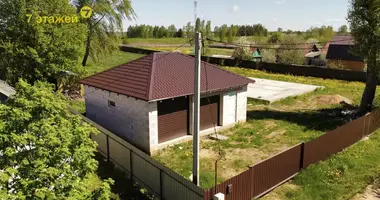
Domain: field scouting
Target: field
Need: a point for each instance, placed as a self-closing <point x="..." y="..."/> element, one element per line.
<point x="269" y="128"/>
<point x="179" y="41"/>
<point x="190" y="50"/>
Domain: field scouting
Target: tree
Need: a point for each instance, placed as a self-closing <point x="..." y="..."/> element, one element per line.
<point x="38" y="51"/>
<point x="242" y="52"/>
<point x="279" y="30"/>
<point x="364" y="20"/>
<point x="343" y="29"/>
<point x="180" y="33"/>
<point x="223" y="32"/>
<point x="208" y="29"/>
<point x="198" y="25"/>
<point x="46" y="151"/>
<point x="189" y="30"/>
<point x="275" y="38"/>
<point x="172" y="30"/>
<point x="106" y="20"/>
<point x="230" y="38"/>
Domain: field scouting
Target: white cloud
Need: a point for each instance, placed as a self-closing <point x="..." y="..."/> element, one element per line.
<point x="281" y="1"/>
<point x="274" y="19"/>
<point x="235" y="8"/>
<point x="334" y="20"/>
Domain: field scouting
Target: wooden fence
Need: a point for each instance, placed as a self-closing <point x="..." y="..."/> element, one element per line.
<point x="268" y="174"/>
<point x="140" y="167"/>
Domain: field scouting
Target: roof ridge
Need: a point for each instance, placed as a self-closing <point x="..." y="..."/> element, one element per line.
<point x="151" y="78"/>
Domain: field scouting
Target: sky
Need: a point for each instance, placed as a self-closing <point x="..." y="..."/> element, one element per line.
<point x="287" y="14"/>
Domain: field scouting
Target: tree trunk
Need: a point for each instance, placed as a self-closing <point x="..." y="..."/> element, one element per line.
<point x="87" y="53"/>
<point x="88" y="43"/>
<point x="370" y="87"/>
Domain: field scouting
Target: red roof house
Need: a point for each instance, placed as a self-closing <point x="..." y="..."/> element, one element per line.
<point x="148" y="101"/>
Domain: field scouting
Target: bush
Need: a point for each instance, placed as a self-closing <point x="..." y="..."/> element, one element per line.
<point x="242" y="52"/>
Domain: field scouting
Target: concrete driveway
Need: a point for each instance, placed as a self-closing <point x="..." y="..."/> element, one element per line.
<point x="271" y="91"/>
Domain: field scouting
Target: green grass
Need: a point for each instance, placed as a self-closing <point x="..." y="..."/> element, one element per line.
<point x="340" y="177"/>
<point x="269" y="128"/>
<point x="118" y="58"/>
<point x="190" y="50"/>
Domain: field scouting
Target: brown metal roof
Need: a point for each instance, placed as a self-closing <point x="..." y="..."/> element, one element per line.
<point x="162" y="76"/>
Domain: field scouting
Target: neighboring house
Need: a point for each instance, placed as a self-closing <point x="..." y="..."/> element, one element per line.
<point x="5" y="91"/>
<point x="148" y="101"/>
<point x="339" y="53"/>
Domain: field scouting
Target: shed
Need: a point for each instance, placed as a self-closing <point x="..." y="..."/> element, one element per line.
<point x="148" y="101"/>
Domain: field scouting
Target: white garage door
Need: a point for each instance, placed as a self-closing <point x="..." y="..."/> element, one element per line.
<point x="230" y="108"/>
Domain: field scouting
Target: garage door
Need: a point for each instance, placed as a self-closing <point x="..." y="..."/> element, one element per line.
<point x="209" y="112"/>
<point x="172" y="118"/>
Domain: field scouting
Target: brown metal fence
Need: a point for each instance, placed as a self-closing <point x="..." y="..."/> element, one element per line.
<point x="268" y="174"/>
<point x="140" y="167"/>
<point x="261" y="177"/>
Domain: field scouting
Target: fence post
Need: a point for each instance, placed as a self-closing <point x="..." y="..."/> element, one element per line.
<point x="108" y="149"/>
<point x="302" y="155"/>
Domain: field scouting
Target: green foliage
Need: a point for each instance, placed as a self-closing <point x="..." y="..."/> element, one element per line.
<point x="35" y="51"/>
<point x="343" y="29"/>
<point x="104" y="23"/>
<point x="46" y="151"/>
<point x="323" y="33"/>
<point x="242" y="52"/>
<point x="291" y="56"/>
<point x="275" y="38"/>
<point x="268" y="55"/>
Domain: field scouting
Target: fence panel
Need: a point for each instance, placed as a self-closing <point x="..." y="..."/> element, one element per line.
<point x="173" y="189"/>
<point x="373" y="121"/>
<point x="240" y="188"/>
<point x="101" y="140"/>
<point x="146" y="173"/>
<point x="275" y="170"/>
<point x="120" y="155"/>
<point x="333" y="142"/>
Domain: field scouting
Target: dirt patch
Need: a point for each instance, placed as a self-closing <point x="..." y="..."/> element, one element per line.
<point x="280" y="192"/>
<point x="243" y="157"/>
<point x="275" y="133"/>
<point x="370" y="193"/>
<point x="332" y="99"/>
<point x="207" y="153"/>
<point x="269" y="124"/>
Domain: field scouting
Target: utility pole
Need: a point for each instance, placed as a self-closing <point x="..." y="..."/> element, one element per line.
<point x="196" y="104"/>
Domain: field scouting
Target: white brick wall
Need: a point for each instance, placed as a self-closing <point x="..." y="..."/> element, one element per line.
<point x="242" y="104"/>
<point x="129" y="118"/>
<point x="153" y="124"/>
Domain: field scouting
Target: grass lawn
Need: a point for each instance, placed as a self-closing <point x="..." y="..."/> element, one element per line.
<point x="190" y="50"/>
<point x="269" y="128"/>
<point x="113" y="60"/>
<point x="340" y="177"/>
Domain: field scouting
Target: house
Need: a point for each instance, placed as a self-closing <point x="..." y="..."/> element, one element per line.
<point x="5" y="91"/>
<point x="148" y="101"/>
<point x="339" y="53"/>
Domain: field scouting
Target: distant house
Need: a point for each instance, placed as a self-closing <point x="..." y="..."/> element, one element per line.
<point x="148" y="101"/>
<point x="5" y="91"/>
<point x="339" y="53"/>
